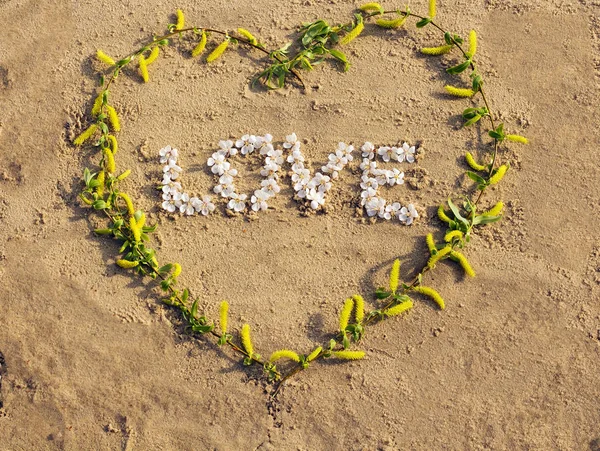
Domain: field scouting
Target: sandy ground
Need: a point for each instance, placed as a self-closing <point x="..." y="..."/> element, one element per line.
<point x="93" y="361"/>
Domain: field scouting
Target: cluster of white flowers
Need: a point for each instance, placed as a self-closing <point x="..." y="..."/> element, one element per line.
<point x="173" y="196"/>
<point x="373" y="178"/>
<point x="246" y="145"/>
<point x="313" y="189"/>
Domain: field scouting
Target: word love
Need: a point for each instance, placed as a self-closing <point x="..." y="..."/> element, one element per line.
<point x="310" y="189"/>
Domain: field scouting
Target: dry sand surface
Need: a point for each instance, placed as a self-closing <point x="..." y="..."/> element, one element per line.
<point x="92" y="360"/>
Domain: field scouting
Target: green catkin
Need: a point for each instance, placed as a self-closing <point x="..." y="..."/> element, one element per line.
<point x="398" y="309"/>
<point x="180" y="20"/>
<point x="345" y="314"/>
<point x="432" y="9"/>
<point x="313" y="355"/>
<point x="359" y="307"/>
<point x="496" y="210"/>
<point x="105" y="58"/>
<point x="153" y="55"/>
<point x="430" y="243"/>
<point x="391" y="24"/>
<point x="100" y="188"/>
<point x="113" y="144"/>
<point x="453" y="234"/>
<point x="223" y="313"/>
<point x="127" y="200"/>
<point x="109" y="160"/>
<point x="216" y="53"/>
<point x="97" y="108"/>
<point x="124" y="175"/>
<point x="442" y="214"/>
<point x="176" y="270"/>
<point x="135" y="230"/>
<point x="472" y="44"/>
<point x="249" y="36"/>
<point x="127" y="264"/>
<point x="144" y="69"/>
<point x="87" y="134"/>
<point x="353" y="34"/>
<point x="464" y="263"/>
<point x="498" y="175"/>
<point x="435" y="51"/>
<point x="517" y="139"/>
<point x="349" y="355"/>
<point x="395" y="276"/>
<point x="437" y="257"/>
<point x="113" y="118"/>
<point x="432" y="294"/>
<point x="459" y="92"/>
<point x="201" y="45"/>
<point x="246" y="341"/>
<point x="142" y="221"/>
<point x="369" y="7"/>
<point x="284" y="353"/>
<point x="473" y="164"/>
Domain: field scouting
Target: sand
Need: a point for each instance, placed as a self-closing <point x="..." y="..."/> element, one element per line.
<point x="90" y="359"/>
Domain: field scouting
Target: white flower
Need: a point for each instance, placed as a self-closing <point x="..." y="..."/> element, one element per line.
<point x="395" y="177"/>
<point x="316" y="198"/>
<point x="226" y="180"/>
<point x="380" y="175"/>
<point x="181" y="198"/>
<point x="218" y="164"/>
<point x="259" y="200"/>
<point x="300" y="178"/>
<point x="265" y="143"/>
<point x="320" y="182"/>
<point x="168" y="153"/>
<point x="275" y="156"/>
<point x="270" y="186"/>
<point x="224" y="190"/>
<point x="368" y="150"/>
<point x="409" y="152"/>
<point x="247" y="144"/>
<point x="407" y="215"/>
<point x="169" y="186"/>
<point x="346" y="151"/>
<point x="270" y="170"/>
<point x="385" y="153"/>
<point x="391" y="211"/>
<point x="169" y="203"/>
<point x="226" y="148"/>
<point x="368" y="166"/>
<point x="172" y="170"/>
<point x="237" y="202"/>
<point x="367" y="195"/>
<point x="375" y="206"/>
<point x="368" y="182"/>
<point x="296" y="156"/>
<point x="204" y="206"/>
<point x="291" y="141"/>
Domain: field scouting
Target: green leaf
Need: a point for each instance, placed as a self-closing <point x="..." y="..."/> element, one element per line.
<point x="382" y="293"/>
<point x="485" y="219"/>
<point x="184" y="297"/>
<point x="99" y="205"/>
<point x="459" y="68"/>
<point x="341" y="57"/>
<point x="423" y="22"/>
<point x="194" y="309"/>
<point x="448" y="38"/>
<point x="165" y="269"/>
<point x="456" y="213"/>
<point x="473" y="120"/>
<point x="476" y="177"/>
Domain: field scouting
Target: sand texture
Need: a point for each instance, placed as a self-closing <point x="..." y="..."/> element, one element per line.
<point x="91" y="359"/>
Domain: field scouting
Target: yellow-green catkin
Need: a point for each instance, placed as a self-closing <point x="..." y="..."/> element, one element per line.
<point x="391" y="24"/>
<point x="137" y="234"/>
<point x="432" y="9"/>
<point x="472" y="44"/>
<point x="499" y="175"/>
<point x="432" y="294"/>
<point x="100" y="188"/>
<point x="109" y="160"/>
<point x="459" y="92"/>
<point x="216" y="53"/>
<point x="313" y="355"/>
<point x="472" y="163"/>
<point x="127" y="200"/>
<point x="176" y="270"/>
<point x="249" y="36"/>
<point x="113" y="118"/>
<point x="284" y="354"/>
<point x="180" y="20"/>
<point x="201" y="45"/>
<point x="496" y="210"/>
<point x="453" y="234"/>
<point x="517" y="139"/>
<point x="464" y="263"/>
<point x="395" y="276"/>
<point x="105" y="58"/>
<point x="359" y="307"/>
<point x="124" y="175"/>
<point x="144" y="69"/>
<point x="246" y="341"/>
<point x="435" y="51"/>
<point x="370" y="7"/>
<point x="153" y="55"/>
<point x="223" y="316"/>
<point x="398" y="309"/>
<point x="113" y="144"/>
<point x="349" y="355"/>
<point x="437" y="257"/>
<point x="127" y="263"/>
<point x="353" y="34"/>
<point x="442" y="214"/>
<point x="345" y="314"/>
<point x="87" y="134"/>
<point x="430" y="243"/>
<point x="141" y="222"/>
<point x="97" y="108"/>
